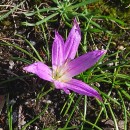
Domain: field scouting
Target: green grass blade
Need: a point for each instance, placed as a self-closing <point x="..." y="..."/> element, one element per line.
<point x="29" y="43"/>
<point x="21" y="59"/>
<point x="19" y="48"/>
<point x="113" y="116"/>
<point x="125" y="111"/>
<point x="46" y="19"/>
<point x="10" y="12"/>
<point x="9" y="113"/>
<point x="81" y="4"/>
<point x="74" y="108"/>
<point x="40" y="11"/>
<point x="125" y="93"/>
<point x="15" y="78"/>
<point x="113" y="19"/>
<point x="71" y="100"/>
<point x="69" y="128"/>
<point x="41" y="21"/>
<point x="90" y="123"/>
<point x="33" y="120"/>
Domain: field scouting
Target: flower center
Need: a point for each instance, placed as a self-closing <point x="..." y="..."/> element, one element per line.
<point x="60" y="74"/>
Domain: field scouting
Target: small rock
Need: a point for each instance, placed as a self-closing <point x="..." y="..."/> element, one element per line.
<point x="121" y="124"/>
<point x="121" y="48"/>
<point x="11" y="64"/>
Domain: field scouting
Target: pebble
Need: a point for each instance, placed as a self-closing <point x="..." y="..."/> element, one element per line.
<point x="11" y="64"/>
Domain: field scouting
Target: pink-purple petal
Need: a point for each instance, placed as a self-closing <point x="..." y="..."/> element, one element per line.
<point x="72" y="42"/>
<point x="41" y="70"/>
<point x="81" y="88"/>
<point x="84" y="62"/>
<point x="57" y="50"/>
<point x="60" y="85"/>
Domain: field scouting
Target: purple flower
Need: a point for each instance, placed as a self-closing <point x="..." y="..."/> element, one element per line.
<point x="65" y="67"/>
